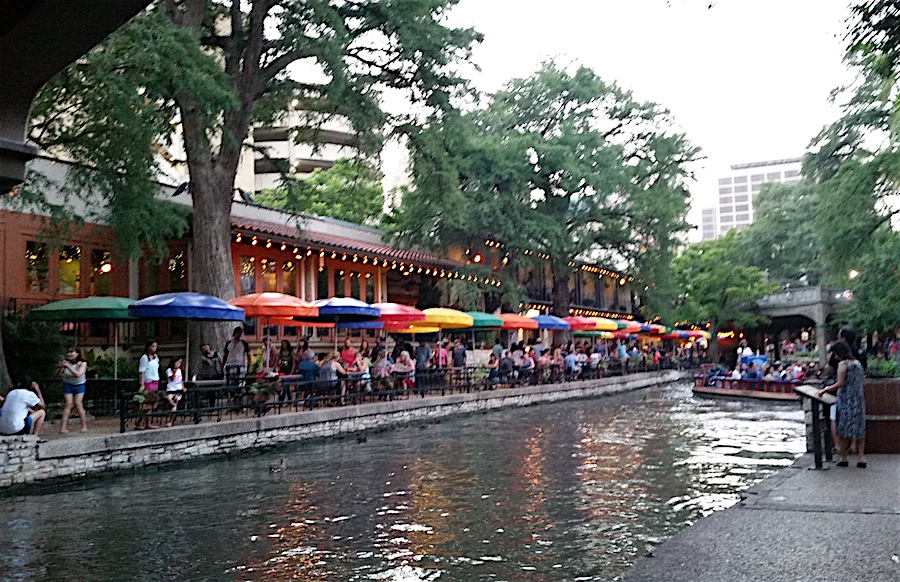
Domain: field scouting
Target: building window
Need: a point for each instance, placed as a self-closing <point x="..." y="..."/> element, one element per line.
<point x="268" y="274"/>
<point x="741" y="208"/>
<point x="791" y="174"/>
<point x="724" y="181"/>
<point x="370" y="288"/>
<point x="725" y="199"/>
<point x="773" y="176"/>
<point x="37" y="266"/>
<point x="177" y="272"/>
<point x="740" y="179"/>
<point x="707" y="219"/>
<point x="339" y="283"/>
<point x="101" y="267"/>
<point x="758" y="178"/>
<point x="756" y="187"/>
<point x="738" y="189"/>
<point x="354" y="285"/>
<point x="322" y="284"/>
<point x="725" y="190"/>
<point x="70" y="270"/>
<point x="248" y="275"/>
<point x="741" y="198"/>
<point x="289" y="280"/>
<point x="742" y="218"/>
<point x="726" y="210"/>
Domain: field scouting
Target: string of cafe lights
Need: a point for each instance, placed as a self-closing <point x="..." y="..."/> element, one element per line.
<point x="403" y="267"/>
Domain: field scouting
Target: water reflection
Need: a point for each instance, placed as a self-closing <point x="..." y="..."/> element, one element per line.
<point x="569" y="491"/>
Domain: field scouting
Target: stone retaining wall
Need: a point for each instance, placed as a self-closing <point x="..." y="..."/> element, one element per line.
<point x="24" y="460"/>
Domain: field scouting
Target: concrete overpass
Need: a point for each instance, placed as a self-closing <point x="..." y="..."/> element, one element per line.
<point x="38" y="39"/>
<point x="801" y="307"/>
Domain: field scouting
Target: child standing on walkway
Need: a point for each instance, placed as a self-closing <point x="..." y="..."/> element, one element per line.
<point x="174" y="386"/>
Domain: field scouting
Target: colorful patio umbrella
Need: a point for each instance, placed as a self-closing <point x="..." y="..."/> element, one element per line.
<point x="398" y="313"/>
<point x="604" y="324"/>
<point x="628" y="325"/>
<point x="337" y="310"/>
<point x="189" y="306"/>
<point x="482" y="320"/>
<point x="111" y="309"/>
<point x="412" y="328"/>
<point x="577" y="323"/>
<point x="516" y="321"/>
<point x="552" y="323"/>
<point x="445" y="318"/>
<point x="274" y="305"/>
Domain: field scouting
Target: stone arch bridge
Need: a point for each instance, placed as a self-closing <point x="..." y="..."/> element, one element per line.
<point x="802" y="307"/>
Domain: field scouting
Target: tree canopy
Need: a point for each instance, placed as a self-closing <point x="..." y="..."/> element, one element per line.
<point x="712" y="287"/>
<point x="559" y="163"/>
<point x="349" y="190"/>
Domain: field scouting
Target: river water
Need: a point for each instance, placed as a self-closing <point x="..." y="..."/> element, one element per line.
<point x="566" y="491"/>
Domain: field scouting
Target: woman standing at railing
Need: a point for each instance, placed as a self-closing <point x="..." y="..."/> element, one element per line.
<point x="148" y="374"/>
<point x="73" y="370"/>
<point x="850" y="405"/>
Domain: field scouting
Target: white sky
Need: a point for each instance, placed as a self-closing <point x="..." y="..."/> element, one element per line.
<point x="746" y="80"/>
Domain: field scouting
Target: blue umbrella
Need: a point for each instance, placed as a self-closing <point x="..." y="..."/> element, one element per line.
<point x="185" y="306"/>
<point x="343" y="311"/>
<point x="552" y="323"/>
<point x="196" y="306"/>
<point x="360" y="325"/>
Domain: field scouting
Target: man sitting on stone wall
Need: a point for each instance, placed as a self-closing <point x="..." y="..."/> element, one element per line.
<point x="23" y="410"/>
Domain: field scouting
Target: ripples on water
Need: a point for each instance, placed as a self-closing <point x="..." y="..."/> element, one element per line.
<point x="566" y="491"/>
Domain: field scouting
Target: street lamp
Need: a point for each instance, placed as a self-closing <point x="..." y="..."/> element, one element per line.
<point x="853" y="273"/>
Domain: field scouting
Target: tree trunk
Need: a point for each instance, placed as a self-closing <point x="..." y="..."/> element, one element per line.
<point x="5" y="380"/>
<point x="213" y="272"/>
<point x="714" y="342"/>
<point x="561" y="298"/>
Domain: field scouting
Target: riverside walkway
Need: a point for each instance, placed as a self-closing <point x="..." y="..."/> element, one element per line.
<point x="799" y="525"/>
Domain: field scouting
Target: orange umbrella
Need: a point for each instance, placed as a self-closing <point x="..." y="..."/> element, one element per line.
<point x="516" y="321"/>
<point x="274" y="305"/>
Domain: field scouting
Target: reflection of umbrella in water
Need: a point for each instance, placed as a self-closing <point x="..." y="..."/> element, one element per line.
<point x="188" y="306"/>
<point x="109" y="309"/>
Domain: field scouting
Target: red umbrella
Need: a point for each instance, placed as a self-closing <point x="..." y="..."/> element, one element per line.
<point x="396" y="313"/>
<point x="580" y="323"/>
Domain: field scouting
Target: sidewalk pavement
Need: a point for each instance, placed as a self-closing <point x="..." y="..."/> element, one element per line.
<point x="841" y="525"/>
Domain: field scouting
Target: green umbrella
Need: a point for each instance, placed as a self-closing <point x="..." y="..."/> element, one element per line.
<point x="482" y="320"/>
<point x="111" y="309"/>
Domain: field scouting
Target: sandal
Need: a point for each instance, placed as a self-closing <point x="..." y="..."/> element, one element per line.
<point x="861" y="465"/>
<point x="843" y="464"/>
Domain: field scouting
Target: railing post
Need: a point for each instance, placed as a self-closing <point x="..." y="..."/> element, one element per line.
<point x="121" y="397"/>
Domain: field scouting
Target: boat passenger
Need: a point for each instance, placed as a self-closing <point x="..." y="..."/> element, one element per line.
<point x="752" y="372"/>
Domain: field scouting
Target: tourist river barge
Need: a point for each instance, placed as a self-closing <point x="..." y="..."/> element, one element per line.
<point x="708" y="382"/>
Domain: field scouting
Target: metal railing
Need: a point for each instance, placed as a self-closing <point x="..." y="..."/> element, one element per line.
<point x="820" y="408"/>
<point x="248" y="397"/>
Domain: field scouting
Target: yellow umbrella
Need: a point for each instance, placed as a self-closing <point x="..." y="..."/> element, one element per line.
<point x="604" y="324"/>
<point x="412" y="328"/>
<point x="446" y="318"/>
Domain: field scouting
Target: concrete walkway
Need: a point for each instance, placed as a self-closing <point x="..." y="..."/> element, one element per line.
<point x="799" y="525"/>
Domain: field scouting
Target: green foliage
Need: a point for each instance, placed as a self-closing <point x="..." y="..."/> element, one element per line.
<point x="33" y="348"/>
<point x="111" y="112"/>
<point x="876" y="291"/>
<point x="349" y="190"/>
<point x="782" y="240"/>
<point x="561" y="163"/>
<point x="104" y="365"/>
<point x="711" y="287"/>
<point x="880" y="367"/>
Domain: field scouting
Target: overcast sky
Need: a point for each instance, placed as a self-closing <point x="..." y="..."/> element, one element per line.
<point x="747" y="80"/>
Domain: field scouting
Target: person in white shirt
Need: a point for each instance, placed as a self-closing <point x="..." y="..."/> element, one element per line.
<point x="23" y="410"/>
<point x="174" y="385"/>
<point x="148" y="376"/>
<point x="743" y="351"/>
<point x="237" y="355"/>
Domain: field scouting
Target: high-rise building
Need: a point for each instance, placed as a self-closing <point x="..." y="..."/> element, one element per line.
<point x="734" y="208"/>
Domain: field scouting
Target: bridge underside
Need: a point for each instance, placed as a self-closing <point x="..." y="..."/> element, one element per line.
<point x="39" y="38"/>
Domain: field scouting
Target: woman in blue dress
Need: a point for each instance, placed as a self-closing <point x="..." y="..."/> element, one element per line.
<point x="851" y="404"/>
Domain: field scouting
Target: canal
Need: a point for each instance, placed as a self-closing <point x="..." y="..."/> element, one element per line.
<point x="567" y="491"/>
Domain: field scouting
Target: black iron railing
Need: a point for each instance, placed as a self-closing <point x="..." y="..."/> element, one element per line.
<point x="248" y="397"/>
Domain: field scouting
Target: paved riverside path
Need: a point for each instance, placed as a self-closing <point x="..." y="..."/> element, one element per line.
<point x="799" y="525"/>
